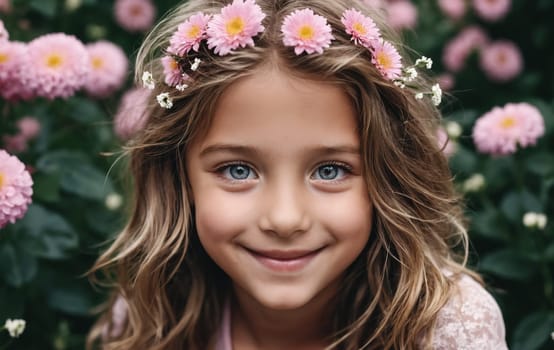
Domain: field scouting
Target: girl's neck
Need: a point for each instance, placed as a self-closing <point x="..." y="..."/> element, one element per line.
<point x="306" y="328"/>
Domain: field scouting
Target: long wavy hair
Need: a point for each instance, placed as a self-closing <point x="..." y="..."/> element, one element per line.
<point x="395" y="288"/>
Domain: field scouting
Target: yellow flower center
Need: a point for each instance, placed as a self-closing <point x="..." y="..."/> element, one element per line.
<point x="4" y="58"/>
<point x="97" y="62"/>
<point x="306" y="33"/>
<point x="384" y="60"/>
<point x="54" y="61"/>
<point x="235" y="26"/>
<point x="135" y="10"/>
<point x="1" y="180"/>
<point x="508" y="122"/>
<point x="359" y="28"/>
<point x="173" y="64"/>
<point x="194" y="32"/>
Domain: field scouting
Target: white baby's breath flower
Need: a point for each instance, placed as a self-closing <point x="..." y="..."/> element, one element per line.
<point x="148" y="80"/>
<point x="165" y="100"/>
<point x="453" y="129"/>
<point x="194" y="66"/>
<point x="474" y="183"/>
<point x="419" y="96"/>
<point x="437" y="94"/>
<point x="113" y="201"/>
<point x="181" y="87"/>
<point x="400" y="84"/>
<point x="15" y="327"/>
<point x="410" y="74"/>
<point x="424" y="62"/>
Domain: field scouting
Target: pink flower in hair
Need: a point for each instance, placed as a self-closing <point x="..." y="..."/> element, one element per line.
<point x="492" y="10"/>
<point x="362" y="28"/>
<point x="499" y="131"/>
<point x="189" y="34"/>
<point x="387" y="59"/>
<point x="172" y="72"/>
<point x="306" y="31"/>
<point x="4" y="35"/>
<point x="454" y="9"/>
<point x="236" y="25"/>
<point x="135" y="15"/>
<point x="15" y="189"/>
<point x="401" y="14"/>
<point x="108" y="68"/>
<point x="501" y="61"/>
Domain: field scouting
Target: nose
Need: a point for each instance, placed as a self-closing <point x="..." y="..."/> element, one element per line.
<point x="285" y="211"/>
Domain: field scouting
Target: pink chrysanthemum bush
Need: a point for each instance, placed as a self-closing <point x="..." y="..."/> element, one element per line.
<point x="108" y="68"/>
<point x="16" y="189"/>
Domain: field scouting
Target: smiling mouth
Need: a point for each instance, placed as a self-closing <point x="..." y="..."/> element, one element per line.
<point x="284" y="261"/>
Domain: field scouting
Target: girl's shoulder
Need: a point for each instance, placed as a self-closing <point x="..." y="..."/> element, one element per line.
<point x="471" y="319"/>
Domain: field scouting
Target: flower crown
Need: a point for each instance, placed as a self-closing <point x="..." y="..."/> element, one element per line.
<point x="238" y="23"/>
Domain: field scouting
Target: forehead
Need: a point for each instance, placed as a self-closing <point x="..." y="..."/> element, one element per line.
<point x="273" y="108"/>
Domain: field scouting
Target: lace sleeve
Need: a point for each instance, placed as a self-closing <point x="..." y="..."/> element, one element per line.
<point x="470" y="320"/>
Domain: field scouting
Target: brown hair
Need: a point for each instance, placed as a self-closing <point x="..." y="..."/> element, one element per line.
<point x="394" y="289"/>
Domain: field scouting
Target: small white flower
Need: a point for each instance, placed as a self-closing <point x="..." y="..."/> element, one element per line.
<point x="148" y="80"/>
<point x="530" y="219"/>
<point x="437" y="94"/>
<point x="541" y="221"/>
<point x="552" y="335"/>
<point x="194" y="66"/>
<point x="424" y="62"/>
<point x="418" y="96"/>
<point x="72" y="5"/>
<point x="453" y="129"/>
<point x="113" y="201"/>
<point x="400" y="84"/>
<point x="181" y="87"/>
<point x="15" y="327"/>
<point x="474" y="183"/>
<point x="165" y="100"/>
<point x="410" y="74"/>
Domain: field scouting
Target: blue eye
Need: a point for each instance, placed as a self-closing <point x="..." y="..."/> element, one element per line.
<point x="330" y="172"/>
<point x="237" y="172"/>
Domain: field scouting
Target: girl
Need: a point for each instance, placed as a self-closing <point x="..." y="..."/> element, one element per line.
<point x="289" y="192"/>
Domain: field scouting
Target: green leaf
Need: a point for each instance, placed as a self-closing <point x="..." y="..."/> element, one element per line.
<point x="46" y="187"/>
<point x="46" y="7"/>
<point x="515" y="204"/>
<point x="85" y="110"/>
<point x="47" y="234"/>
<point x="508" y="264"/>
<point x="16" y="266"/>
<point x="11" y="303"/>
<point x="533" y="331"/>
<point x="549" y="252"/>
<point x="540" y="163"/>
<point x="486" y="224"/>
<point x="74" y="298"/>
<point x="463" y="161"/>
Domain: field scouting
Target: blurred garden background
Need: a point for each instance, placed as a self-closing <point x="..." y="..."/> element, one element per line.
<point x="60" y="136"/>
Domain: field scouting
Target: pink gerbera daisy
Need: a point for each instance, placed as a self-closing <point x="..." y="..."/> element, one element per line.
<point x="108" y="68"/>
<point x="362" y="28"/>
<point x="387" y="59"/>
<point x="172" y="72"/>
<point x="236" y="25"/>
<point x="59" y="65"/>
<point x="499" y="131"/>
<point x="15" y="189"/>
<point x="306" y="31"/>
<point x="189" y="34"/>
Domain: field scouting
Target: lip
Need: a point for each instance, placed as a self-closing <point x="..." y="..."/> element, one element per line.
<point x="284" y="260"/>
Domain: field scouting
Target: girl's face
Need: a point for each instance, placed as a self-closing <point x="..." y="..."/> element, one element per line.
<point x="280" y="202"/>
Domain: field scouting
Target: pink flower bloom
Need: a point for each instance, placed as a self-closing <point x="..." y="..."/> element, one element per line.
<point x="236" y="25"/>
<point x="387" y="59"/>
<point x="362" y="28"/>
<point x="15" y="144"/>
<point x="28" y="129"/>
<point x="458" y="49"/>
<point x="15" y="189"/>
<point x="501" y="61"/>
<point x="13" y="58"/>
<point x="119" y="317"/>
<point x="446" y="81"/>
<point x="499" y="131"/>
<point x="447" y="146"/>
<point x="454" y="9"/>
<point x="189" y="34"/>
<point x="401" y="14"/>
<point x="130" y="116"/>
<point x="135" y="15"/>
<point x="108" y="68"/>
<point x="172" y="72"/>
<point x="492" y="10"/>
<point x="306" y="31"/>
<point x="4" y="35"/>
<point x="5" y="6"/>
<point x="57" y="66"/>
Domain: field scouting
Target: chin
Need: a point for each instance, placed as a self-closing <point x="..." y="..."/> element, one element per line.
<point x="285" y="298"/>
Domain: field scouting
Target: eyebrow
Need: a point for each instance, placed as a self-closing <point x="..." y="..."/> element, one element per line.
<point x="253" y="151"/>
